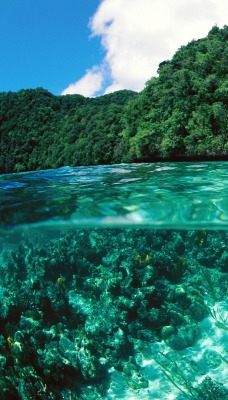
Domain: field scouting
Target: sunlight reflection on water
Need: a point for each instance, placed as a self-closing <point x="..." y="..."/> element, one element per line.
<point x="175" y="195"/>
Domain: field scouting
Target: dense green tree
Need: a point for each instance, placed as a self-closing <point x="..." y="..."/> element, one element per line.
<point x="180" y="113"/>
<point x="183" y="112"/>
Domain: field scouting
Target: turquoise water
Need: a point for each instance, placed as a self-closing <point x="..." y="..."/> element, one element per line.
<point x="114" y="282"/>
<point x="168" y="195"/>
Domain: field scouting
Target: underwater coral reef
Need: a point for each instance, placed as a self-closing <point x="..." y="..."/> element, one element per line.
<point x="78" y="307"/>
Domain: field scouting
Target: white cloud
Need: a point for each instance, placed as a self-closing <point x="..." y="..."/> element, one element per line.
<point x="139" y="34"/>
<point x="88" y="85"/>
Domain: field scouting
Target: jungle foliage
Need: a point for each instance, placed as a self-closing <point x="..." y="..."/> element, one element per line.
<point x="180" y="113"/>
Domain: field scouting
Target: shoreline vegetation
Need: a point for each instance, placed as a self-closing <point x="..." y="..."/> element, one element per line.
<point x="180" y="115"/>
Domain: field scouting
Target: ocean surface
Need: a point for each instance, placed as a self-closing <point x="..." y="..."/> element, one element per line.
<point x="114" y="282"/>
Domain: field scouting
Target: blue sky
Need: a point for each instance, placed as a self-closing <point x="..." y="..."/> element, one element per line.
<point x="46" y="43"/>
<point x="96" y="46"/>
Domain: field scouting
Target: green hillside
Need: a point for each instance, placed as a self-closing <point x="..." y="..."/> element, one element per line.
<point x="181" y="113"/>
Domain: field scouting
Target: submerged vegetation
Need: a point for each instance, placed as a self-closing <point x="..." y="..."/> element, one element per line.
<point x="181" y="113"/>
<point x="207" y="390"/>
<point x="76" y="307"/>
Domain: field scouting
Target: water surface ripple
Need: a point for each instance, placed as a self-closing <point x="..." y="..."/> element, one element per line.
<point x="157" y="195"/>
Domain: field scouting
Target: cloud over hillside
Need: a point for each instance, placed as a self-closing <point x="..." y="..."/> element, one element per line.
<point x="138" y="34"/>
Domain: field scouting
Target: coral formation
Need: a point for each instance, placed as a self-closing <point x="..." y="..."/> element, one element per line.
<point x="74" y="305"/>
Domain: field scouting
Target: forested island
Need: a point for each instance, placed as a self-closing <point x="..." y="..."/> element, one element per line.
<point x="181" y="114"/>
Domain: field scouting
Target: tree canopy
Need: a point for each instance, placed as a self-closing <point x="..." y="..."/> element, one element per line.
<point x="180" y="113"/>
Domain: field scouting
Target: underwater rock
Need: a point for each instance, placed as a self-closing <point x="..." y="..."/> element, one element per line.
<point x="211" y="358"/>
<point x="3" y="360"/>
<point x="211" y="390"/>
<point x="87" y="302"/>
<point x="167" y="332"/>
<point x="133" y="376"/>
<point x="68" y="351"/>
<point x="198" y="310"/>
<point x="89" y="365"/>
<point x="223" y="261"/>
<point x="184" y="336"/>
